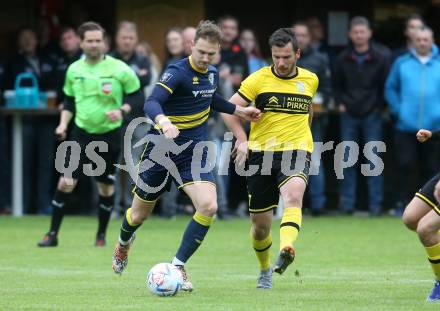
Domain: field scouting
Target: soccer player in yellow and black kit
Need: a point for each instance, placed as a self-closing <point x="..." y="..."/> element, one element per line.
<point x="283" y="92"/>
<point x="422" y="215"/>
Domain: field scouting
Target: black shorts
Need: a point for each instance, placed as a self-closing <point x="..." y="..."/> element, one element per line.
<point x="426" y="193"/>
<point x="263" y="186"/>
<point x="113" y="139"/>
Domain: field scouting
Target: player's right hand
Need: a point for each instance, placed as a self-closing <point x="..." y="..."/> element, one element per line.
<point x="61" y="132"/>
<point x="423" y="135"/>
<point x="240" y="152"/>
<point x="170" y="130"/>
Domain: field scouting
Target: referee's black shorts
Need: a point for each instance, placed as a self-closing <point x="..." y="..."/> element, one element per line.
<point x="426" y="193"/>
<point x="113" y="139"/>
<point x="263" y="186"/>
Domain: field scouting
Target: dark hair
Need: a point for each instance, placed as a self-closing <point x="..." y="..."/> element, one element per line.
<point x="66" y="29"/>
<point x="414" y="17"/>
<point x="89" y="26"/>
<point x="209" y="31"/>
<point x="301" y="23"/>
<point x="282" y="37"/>
<point x="173" y="29"/>
<point x="359" y="21"/>
<point x="227" y="17"/>
<point x="26" y="29"/>
<point x="168" y="55"/>
<point x="257" y="50"/>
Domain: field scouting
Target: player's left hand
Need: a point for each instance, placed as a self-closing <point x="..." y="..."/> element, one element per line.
<point x="114" y="115"/>
<point x="437" y="191"/>
<point x="240" y="152"/>
<point x="248" y="113"/>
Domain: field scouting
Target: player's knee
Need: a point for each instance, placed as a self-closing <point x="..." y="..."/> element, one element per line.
<point x="208" y="208"/>
<point x="66" y="184"/>
<point x="137" y="217"/>
<point x="106" y="190"/>
<point x="260" y="232"/>
<point x="293" y="198"/>
<point x="410" y="221"/>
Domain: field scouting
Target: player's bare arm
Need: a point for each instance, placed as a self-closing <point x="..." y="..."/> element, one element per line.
<point x="240" y="151"/>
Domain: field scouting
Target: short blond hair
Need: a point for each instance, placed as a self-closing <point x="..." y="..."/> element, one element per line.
<point x="209" y="31"/>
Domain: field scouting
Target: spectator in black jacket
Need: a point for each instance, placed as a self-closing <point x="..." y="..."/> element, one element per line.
<point x="38" y="151"/>
<point x="233" y="68"/>
<point x="233" y="57"/>
<point x="70" y="52"/>
<point x="359" y="78"/>
<point x="126" y="41"/>
<point x="316" y="62"/>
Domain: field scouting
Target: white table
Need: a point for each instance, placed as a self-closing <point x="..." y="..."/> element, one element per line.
<point x="17" y="150"/>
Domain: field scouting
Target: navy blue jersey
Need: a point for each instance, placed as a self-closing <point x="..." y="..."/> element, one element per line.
<point x="191" y="91"/>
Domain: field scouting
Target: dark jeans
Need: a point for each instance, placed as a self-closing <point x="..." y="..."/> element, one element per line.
<point x="317" y="181"/>
<point x="409" y="154"/>
<point x="365" y="129"/>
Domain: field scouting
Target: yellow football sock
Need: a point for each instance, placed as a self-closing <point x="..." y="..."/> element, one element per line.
<point x="290" y="226"/>
<point x="262" y="250"/>
<point x="434" y="258"/>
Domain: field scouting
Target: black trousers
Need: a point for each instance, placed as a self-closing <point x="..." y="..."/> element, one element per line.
<point x="415" y="164"/>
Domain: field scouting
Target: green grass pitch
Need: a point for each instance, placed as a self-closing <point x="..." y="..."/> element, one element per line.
<point x="343" y="263"/>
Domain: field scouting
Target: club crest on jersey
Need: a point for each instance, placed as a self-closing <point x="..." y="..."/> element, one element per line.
<point x="211" y="78"/>
<point x="300" y="87"/>
<point x="106" y="87"/>
<point x="166" y="77"/>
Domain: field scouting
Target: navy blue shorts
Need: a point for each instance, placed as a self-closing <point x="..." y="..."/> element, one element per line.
<point x="158" y="169"/>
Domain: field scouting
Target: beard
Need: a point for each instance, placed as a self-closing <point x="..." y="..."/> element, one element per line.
<point x="94" y="55"/>
<point x="286" y="71"/>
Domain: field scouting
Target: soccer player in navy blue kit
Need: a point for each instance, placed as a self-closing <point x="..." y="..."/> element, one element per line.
<point x="179" y="105"/>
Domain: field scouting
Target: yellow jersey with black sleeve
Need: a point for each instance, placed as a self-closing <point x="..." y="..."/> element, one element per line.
<point x="285" y="103"/>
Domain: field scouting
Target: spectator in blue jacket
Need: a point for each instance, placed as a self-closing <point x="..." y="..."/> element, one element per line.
<point x="413" y="94"/>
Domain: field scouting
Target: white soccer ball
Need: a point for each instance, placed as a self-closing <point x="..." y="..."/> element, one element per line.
<point x="164" y="279"/>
